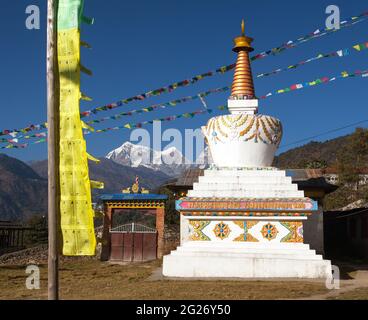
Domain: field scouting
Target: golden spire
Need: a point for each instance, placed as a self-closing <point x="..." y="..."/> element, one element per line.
<point x="243" y="87"/>
<point x="243" y="42"/>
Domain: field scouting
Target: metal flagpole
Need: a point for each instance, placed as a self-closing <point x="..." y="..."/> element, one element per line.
<point x="53" y="150"/>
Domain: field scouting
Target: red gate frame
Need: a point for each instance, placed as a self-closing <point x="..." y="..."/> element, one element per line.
<point x="111" y="205"/>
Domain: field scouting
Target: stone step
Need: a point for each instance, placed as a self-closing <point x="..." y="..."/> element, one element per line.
<point x="244" y="186"/>
<point x="242" y="179"/>
<point x="245" y="194"/>
<point x="221" y="245"/>
<point x="216" y="249"/>
<point x="245" y="173"/>
<point x="201" y="266"/>
<point x="252" y="255"/>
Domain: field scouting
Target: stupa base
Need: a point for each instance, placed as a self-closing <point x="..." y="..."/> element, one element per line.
<point x="287" y="261"/>
<point x="244" y="223"/>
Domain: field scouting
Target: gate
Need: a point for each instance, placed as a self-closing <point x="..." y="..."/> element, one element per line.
<point x="133" y="242"/>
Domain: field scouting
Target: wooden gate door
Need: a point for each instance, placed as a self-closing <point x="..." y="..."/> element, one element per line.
<point x="149" y="246"/>
<point x="116" y="251"/>
<point x="133" y="243"/>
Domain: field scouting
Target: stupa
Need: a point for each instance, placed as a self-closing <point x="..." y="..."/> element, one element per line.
<point x="244" y="218"/>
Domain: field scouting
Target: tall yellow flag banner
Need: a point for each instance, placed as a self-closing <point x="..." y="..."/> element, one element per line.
<point x="75" y="188"/>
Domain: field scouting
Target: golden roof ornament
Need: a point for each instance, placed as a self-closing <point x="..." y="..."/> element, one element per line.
<point x="135" y="188"/>
<point x="243" y="42"/>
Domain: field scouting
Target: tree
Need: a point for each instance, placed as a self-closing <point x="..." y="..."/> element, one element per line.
<point x="316" y="164"/>
<point x="352" y="158"/>
<point x="359" y="146"/>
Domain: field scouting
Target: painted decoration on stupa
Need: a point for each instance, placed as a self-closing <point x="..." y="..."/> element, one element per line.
<point x="269" y="231"/>
<point x="221" y="230"/>
<point x="244" y="127"/>
<point x="296" y="231"/>
<point x="256" y="205"/>
<point x="246" y="236"/>
<point x="246" y="231"/>
<point x="198" y="226"/>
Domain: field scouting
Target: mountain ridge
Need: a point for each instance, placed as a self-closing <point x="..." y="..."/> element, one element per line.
<point x="23" y="192"/>
<point x="115" y="176"/>
<point x="170" y="161"/>
<point x="299" y="157"/>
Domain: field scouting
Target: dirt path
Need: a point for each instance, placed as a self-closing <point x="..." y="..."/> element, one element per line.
<point x="360" y="281"/>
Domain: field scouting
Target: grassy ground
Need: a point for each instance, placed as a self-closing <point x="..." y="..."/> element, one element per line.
<point x="92" y="279"/>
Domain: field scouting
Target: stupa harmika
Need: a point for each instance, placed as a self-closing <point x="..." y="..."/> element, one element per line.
<point x="244" y="218"/>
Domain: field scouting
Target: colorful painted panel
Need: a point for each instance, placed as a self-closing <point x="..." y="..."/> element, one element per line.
<point x="226" y="204"/>
<point x="197" y="233"/>
<point x="245" y="213"/>
<point x="295" y="231"/>
<point x="245" y="236"/>
<point x="246" y="231"/>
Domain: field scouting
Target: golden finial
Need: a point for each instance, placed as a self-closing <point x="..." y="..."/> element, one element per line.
<point x="243" y="42"/>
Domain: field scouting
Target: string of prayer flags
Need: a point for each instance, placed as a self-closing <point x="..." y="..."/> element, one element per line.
<point x="339" y="53"/>
<point x="291" y="88"/>
<point x="36" y="135"/>
<point x="161" y="90"/>
<point x="290" y="44"/>
<point x="151" y="108"/>
<point x="32" y="127"/>
<point x="361" y="46"/>
<point x="14" y="145"/>
<point x="187" y="115"/>
<point x="134" y="125"/>
<point x="316" y="82"/>
<point x="140" y="124"/>
<point x="294" y="87"/>
<point x="316" y="34"/>
<point x="343" y="52"/>
<point x="346" y="23"/>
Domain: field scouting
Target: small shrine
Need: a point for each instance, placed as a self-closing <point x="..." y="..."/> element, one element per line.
<point x="133" y="242"/>
<point x="244" y="218"/>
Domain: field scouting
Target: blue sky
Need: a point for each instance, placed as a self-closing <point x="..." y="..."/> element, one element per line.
<point x="142" y="45"/>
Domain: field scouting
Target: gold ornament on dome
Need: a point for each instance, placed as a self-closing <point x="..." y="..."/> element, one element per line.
<point x="244" y="127"/>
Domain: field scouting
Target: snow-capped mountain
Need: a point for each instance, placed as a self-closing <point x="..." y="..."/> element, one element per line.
<point x="169" y="161"/>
